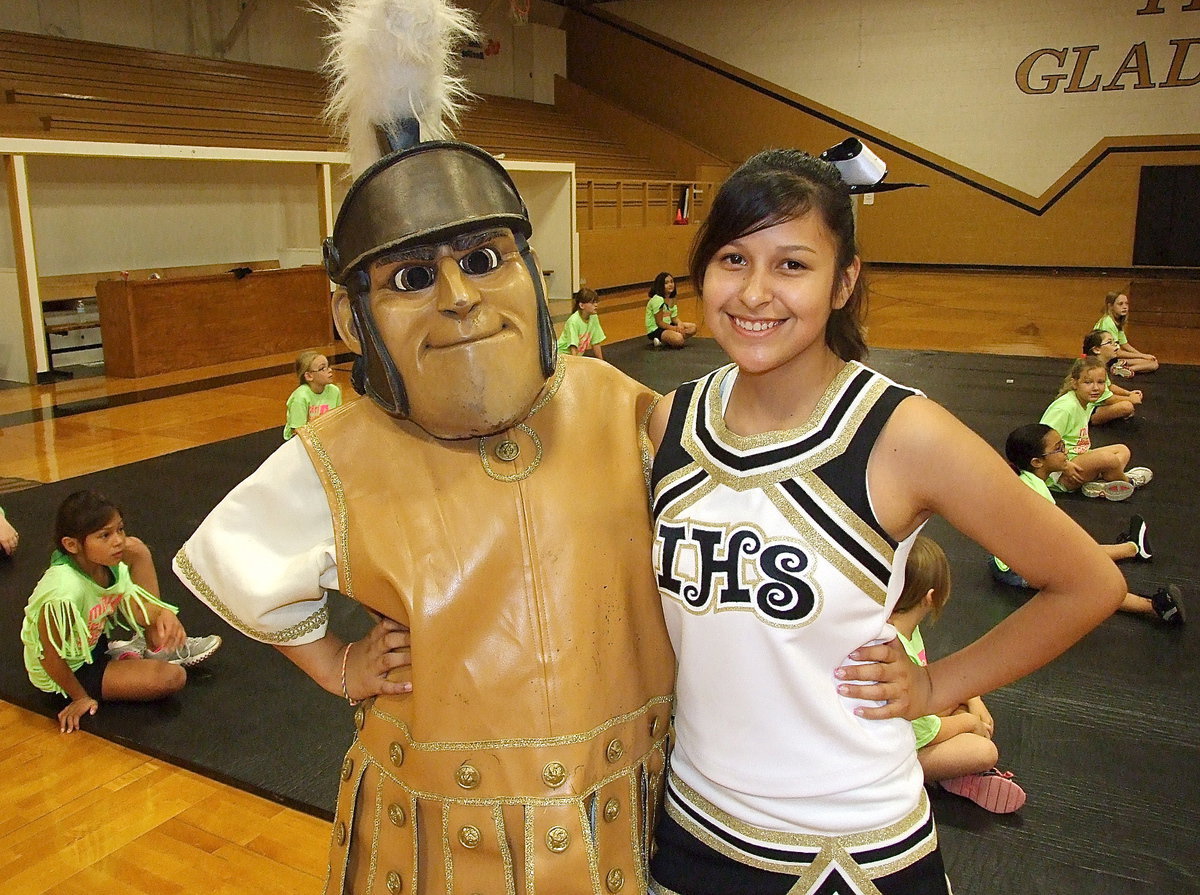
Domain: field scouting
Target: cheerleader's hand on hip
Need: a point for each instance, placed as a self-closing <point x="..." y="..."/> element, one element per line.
<point x="890" y="684"/>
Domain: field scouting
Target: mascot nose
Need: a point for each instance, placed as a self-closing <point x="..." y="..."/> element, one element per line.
<point x="457" y="295"/>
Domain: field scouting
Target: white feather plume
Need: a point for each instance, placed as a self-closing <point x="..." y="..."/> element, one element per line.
<point x="394" y="59"/>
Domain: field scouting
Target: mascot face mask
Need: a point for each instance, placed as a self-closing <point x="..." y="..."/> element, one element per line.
<point x="444" y="301"/>
<point x="459" y="321"/>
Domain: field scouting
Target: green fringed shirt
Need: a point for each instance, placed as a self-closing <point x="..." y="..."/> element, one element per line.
<point x="77" y="611"/>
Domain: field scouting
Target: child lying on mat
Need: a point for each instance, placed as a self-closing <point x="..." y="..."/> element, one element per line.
<point x="87" y="595"/>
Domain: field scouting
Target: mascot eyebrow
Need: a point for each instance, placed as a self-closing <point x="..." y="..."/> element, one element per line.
<point x="462" y="243"/>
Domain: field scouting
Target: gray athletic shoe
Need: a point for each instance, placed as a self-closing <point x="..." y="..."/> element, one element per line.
<point x="1114" y="490"/>
<point x="126" y="649"/>
<point x="193" y="652"/>
<point x="1139" y="475"/>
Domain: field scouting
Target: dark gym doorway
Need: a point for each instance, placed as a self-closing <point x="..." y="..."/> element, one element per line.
<point x="1168" y="217"/>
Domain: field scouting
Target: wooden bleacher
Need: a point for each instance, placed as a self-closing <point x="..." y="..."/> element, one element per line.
<point x="55" y="88"/>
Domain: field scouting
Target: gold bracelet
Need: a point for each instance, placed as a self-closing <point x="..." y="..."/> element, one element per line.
<point x="345" y="692"/>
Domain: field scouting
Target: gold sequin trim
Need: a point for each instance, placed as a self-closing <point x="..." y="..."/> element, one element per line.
<point x="514" y="476"/>
<point x="510" y="880"/>
<point x="830" y="849"/>
<point x="528" y="852"/>
<point x="560" y="372"/>
<point x="640" y="826"/>
<point x="795" y="468"/>
<point x="526" y="801"/>
<point x="447" y="857"/>
<point x="687" y="499"/>
<point x="644" y="442"/>
<point x="777" y="437"/>
<point x="376" y="831"/>
<point x="589" y="845"/>
<point x="340" y="516"/>
<point x="565" y="740"/>
<point x="817" y="541"/>
<point x="314" y="622"/>
<point x="849" y="519"/>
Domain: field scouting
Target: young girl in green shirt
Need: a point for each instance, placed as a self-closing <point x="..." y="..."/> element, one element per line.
<point x="582" y="331"/>
<point x="316" y="394"/>
<point x="1117" y="403"/>
<point x="954" y="748"/>
<point x="1116" y="315"/>
<point x="86" y="596"/>
<point x="1036" y="452"/>
<point x="663" y="326"/>
<point x="1098" y="471"/>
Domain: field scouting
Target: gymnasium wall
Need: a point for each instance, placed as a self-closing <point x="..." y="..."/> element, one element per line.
<point x="105" y="214"/>
<point x="1030" y="160"/>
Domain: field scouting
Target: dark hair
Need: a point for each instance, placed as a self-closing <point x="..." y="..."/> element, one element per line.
<point x="1110" y="299"/>
<point x="1092" y="341"/>
<point x="926" y="569"/>
<point x="779" y="185"/>
<point x="582" y="296"/>
<point x="659" y="286"/>
<point x="81" y="514"/>
<point x="1024" y="444"/>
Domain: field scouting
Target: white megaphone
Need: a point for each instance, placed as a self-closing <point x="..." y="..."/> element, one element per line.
<point x="862" y="169"/>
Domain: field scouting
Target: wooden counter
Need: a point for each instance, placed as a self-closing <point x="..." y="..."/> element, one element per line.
<point x="157" y="326"/>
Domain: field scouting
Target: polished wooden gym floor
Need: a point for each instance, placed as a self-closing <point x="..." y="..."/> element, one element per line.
<point x="82" y="814"/>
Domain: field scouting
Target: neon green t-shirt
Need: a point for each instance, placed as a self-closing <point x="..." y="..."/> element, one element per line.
<point x="927" y="727"/>
<point x="1040" y="487"/>
<point x="654" y="309"/>
<point x="1109" y="325"/>
<point x="1070" y="419"/>
<point x="304" y="405"/>
<point x="581" y="334"/>
<point x="81" y="610"/>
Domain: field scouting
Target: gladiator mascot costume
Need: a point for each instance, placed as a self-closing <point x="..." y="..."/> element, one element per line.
<point x="490" y="496"/>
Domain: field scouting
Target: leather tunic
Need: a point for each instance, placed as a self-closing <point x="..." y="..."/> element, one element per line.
<point x="529" y="754"/>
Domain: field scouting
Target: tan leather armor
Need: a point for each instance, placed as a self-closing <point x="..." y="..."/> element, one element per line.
<point x="529" y="755"/>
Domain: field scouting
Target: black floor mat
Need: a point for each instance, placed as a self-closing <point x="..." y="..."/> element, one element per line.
<point x="1104" y="740"/>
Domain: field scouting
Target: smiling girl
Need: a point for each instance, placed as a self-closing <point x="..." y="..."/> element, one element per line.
<point x="788" y="488"/>
<point x="1099" y="471"/>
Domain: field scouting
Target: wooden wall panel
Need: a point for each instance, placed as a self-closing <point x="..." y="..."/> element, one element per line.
<point x="953" y="222"/>
<point x="610" y="258"/>
<point x="157" y="326"/>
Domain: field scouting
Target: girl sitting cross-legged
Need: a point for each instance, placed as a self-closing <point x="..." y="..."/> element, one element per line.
<point x="1097" y="471"/>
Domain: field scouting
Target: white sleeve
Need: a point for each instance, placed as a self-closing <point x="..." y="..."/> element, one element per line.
<point x="264" y="557"/>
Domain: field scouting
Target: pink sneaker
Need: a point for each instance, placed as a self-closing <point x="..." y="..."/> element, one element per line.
<point x="993" y="790"/>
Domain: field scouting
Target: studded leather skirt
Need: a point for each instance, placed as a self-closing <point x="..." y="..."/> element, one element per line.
<point x="561" y="815"/>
